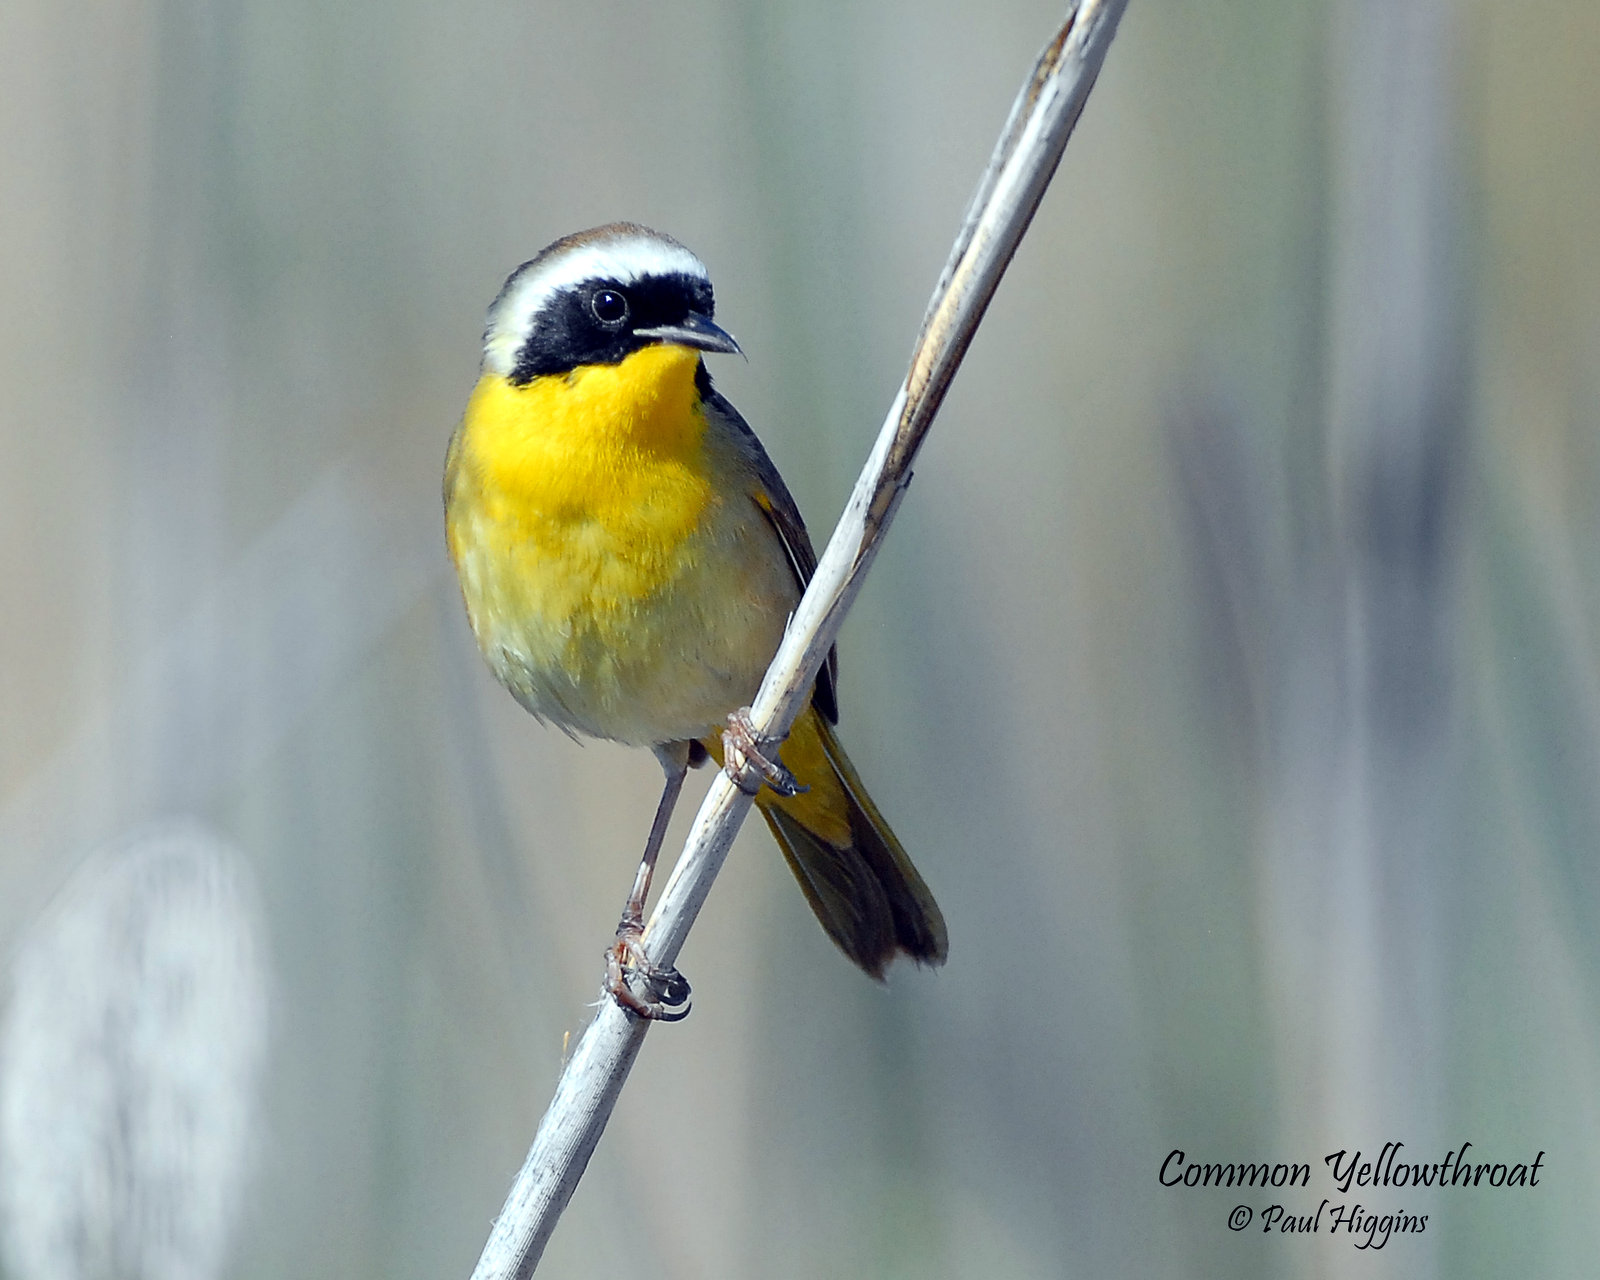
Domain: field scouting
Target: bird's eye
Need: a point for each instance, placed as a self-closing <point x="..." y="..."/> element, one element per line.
<point x="609" y="306"/>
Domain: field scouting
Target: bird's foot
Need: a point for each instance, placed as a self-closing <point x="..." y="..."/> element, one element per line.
<point x="665" y="994"/>
<point x="751" y="758"/>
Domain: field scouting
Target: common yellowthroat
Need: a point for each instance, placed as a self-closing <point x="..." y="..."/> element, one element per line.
<point x="629" y="557"/>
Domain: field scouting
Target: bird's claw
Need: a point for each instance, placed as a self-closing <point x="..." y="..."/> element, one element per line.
<point x="751" y="758"/>
<point x="666" y="991"/>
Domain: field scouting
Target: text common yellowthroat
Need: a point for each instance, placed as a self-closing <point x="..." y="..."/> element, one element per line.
<point x="629" y="556"/>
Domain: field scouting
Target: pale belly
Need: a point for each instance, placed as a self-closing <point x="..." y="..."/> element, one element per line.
<point x="595" y="635"/>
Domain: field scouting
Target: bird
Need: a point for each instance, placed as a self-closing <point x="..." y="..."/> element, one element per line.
<point x="629" y="557"/>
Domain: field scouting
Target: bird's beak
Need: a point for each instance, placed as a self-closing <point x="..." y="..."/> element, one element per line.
<point x="695" y="331"/>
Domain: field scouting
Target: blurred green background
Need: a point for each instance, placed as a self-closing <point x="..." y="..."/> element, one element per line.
<point x="1231" y="671"/>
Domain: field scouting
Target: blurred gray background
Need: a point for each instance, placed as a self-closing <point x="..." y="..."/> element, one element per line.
<point x="1231" y="671"/>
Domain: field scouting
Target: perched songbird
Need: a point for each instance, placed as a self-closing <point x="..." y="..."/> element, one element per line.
<point x="629" y="557"/>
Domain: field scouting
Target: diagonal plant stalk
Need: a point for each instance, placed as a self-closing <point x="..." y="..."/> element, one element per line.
<point x="1018" y="172"/>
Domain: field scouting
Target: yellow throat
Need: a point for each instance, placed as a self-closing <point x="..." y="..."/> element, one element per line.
<point x="604" y="442"/>
<point x="608" y="578"/>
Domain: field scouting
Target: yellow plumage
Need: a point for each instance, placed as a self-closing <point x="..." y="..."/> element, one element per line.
<point x="614" y="587"/>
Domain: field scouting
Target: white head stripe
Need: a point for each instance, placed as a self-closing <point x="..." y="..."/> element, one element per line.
<point x="623" y="258"/>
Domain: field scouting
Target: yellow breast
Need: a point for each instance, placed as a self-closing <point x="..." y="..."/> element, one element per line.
<point x="616" y="571"/>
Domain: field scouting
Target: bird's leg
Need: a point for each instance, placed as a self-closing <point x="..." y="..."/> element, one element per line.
<point x="751" y="758"/>
<point x="666" y="988"/>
